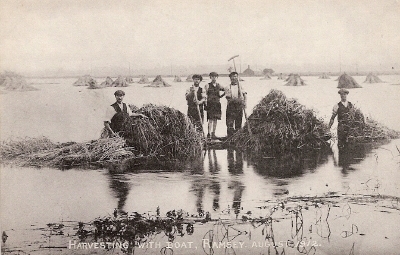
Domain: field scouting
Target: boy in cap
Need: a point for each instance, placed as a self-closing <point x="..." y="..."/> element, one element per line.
<point x="213" y="103"/>
<point x="116" y="115"/>
<point x="342" y="110"/>
<point x="195" y="98"/>
<point x="236" y="97"/>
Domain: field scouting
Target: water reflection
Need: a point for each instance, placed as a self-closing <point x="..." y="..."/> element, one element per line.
<point x="289" y="164"/>
<point x="120" y="187"/>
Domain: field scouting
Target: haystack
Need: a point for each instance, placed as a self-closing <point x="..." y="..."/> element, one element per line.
<point x="281" y="77"/>
<point x="167" y="133"/>
<point x="120" y="82"/>
<point x="279" y="125"/>
<point x="129" y="79"/>
<point x="348" y="82"/>
<point x="189" y="78"/>
<point x="266" y="77"/>
<point x="107" y="83"/>
<point x="324" y="76"/>
<point x="96" y="85"/>
<point x="159" y="82"/>
<point x="143" y="80"/>
<point x="372" y="78"/>
<point x="177" y="79"/>
<point x="14" y="82"/>
<point x="368" y="130"/>
<point x="294" y="80"/>
<point x="86" y="80"/>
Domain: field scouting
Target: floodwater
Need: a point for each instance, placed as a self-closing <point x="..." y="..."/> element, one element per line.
<point x="224" y="182"/>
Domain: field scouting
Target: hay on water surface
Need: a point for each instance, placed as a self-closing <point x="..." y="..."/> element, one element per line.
<point x="166" y="133"/>
<point x="43" y="152"/>
<point x="324" y="76"/>
<point x="86" y="80"/>
<point x="177" y="79"/>
<point x="14" y="82"/>
<point x="294" y="80"/>
<point x="189" y="78"/>
<point x="143" y="80"/>
<point x="159" y="82"/>
<point x="279" y="125"/>
<point x="348" y="82"/>
<point x="372" y="78"/>
<point x="369" y="130"/>
<point x="120" y="82"/>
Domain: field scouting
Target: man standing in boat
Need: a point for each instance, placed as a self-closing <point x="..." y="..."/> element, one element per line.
<point x="213" y="105"/>
<point x="116" y="115"/>
<point x="236" y="97"/>
<point x="195" y="98"/>
<point x="342" y="110"/>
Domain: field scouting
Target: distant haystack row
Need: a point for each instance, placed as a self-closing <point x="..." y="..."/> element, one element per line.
<point x="120" y="82"/>
<point x="324" y="76"/>
<point x="294" y="80"/>
<point x="177" y="79"/>
<point x="14" y="82"/>
<point x="348" y="82"/>
<point x="86" y="80"/>
<point x="372" y="78"/>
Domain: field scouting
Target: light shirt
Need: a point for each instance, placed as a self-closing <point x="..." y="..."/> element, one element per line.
<point x="203" y="93"/>
<point x="110" y="112"/>
<point x="232" y="91"/>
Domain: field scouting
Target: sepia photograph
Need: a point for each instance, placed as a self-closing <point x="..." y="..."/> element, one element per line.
<point x="199" y="127"/>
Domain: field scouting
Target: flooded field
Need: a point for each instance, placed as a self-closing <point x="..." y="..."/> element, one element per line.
<point x="340" y="202"/>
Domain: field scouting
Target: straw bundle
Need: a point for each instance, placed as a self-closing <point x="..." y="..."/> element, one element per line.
<point x="42" y="152"/>
<point x="119" y="82"/>
<point x="85" y="81"/>
<point x="279" y="125"/>
<point x="348" y="82"/>
<point x="294" y="80"/>
<point x="372" y="78"/>
<point x="167" y="133"/>
<point x="177" y="79"/>
<point x="368" y="130"/>
<point x="159" y="82"/>
<point x="143" y="80"/>
<point x="14" y="82"/>
<point x="107" y="83"/>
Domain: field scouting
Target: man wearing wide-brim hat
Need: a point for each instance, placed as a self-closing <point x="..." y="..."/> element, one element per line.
<point x="342" y="110"/>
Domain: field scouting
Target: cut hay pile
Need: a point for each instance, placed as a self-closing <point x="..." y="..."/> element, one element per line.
<point x="372" y="78"/>
<point x="14" y="82"/>
<point x="368" y="130"/>
<point x="120" y="82"/>
<point x="129" y="79"/>
<point x="177" y="79"/>
<point x="294" y="80"/>
<point x="107" y="83"/>
<point x="278" y="125"/>
<point x="266" y="77"/>
<point x="348" y="82"/>
<point x="159" y="82"/>
<point x="86" y="80"/>
<point x="324" y="76"/>
<point x="143" y="80"/>
<point x="42" y="152"/>
<point x="167" y="133"/>
<point x="189" y="78"/>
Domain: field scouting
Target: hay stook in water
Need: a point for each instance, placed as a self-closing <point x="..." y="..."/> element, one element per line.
<point x="159" y="82"/>
<point x="85" y="80"/>
<point x="143" y="80"/>
<point x="324" y="76"/>
<point x="294" y="80"/>
<point x="279" y="125"/>
<point x="348" y="82"/>
<point x="14" y="82"/>
<point x="119" y="82"/>
<point x="372" y="78"/>
<point x="177" y="79"/>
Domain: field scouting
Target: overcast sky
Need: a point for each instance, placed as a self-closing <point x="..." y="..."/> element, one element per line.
<point x="39" y="35"/>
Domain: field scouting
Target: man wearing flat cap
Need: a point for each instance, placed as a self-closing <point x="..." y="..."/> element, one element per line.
<point x="342" y="110"/>
<point x="116" y="115"/>
<point x="195" y="98"/>
<point x="236" y="97"/>
<point x="213" y="91"/>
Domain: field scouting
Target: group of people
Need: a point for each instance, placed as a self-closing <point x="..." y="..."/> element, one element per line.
<point x="208" y="99"/>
